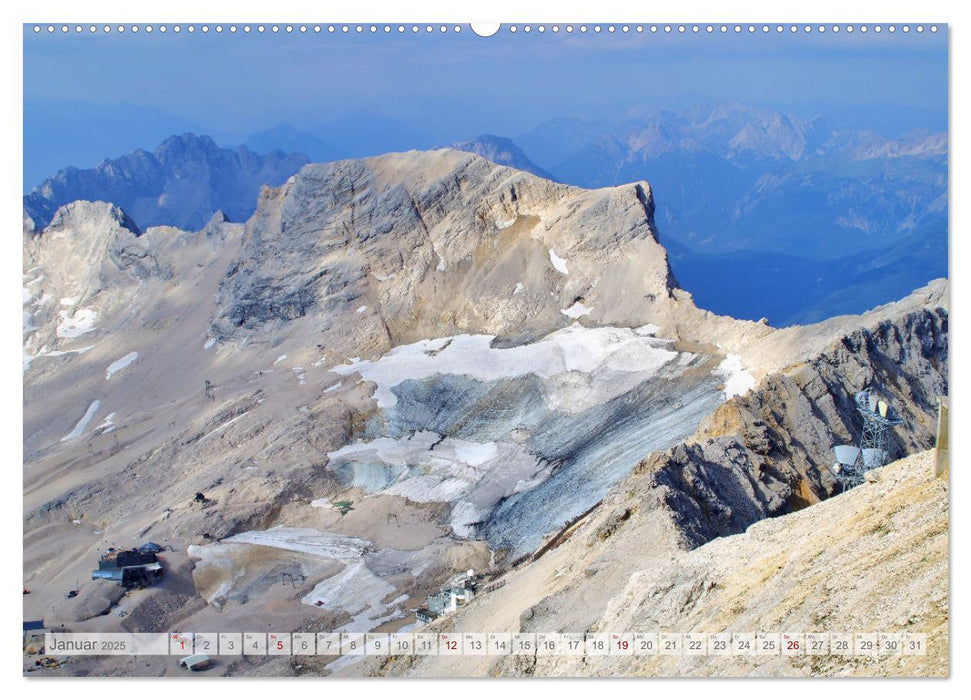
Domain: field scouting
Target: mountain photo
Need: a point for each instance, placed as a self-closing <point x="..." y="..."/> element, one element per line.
<point x="572" y="351"/>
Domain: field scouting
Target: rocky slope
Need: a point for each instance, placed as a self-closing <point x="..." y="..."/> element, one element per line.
<point x="182" y="183"/>
<point x="469" y="354"/>
<point x="871" y="560"/>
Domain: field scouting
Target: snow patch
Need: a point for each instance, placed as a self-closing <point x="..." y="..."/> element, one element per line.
<point x="475" y="453"/>
<point x="315" y="542"/>
<point x="737" y="380"/>
<point x="648" y="329"/>
<point x="223" y="426"/>
<point x="43" y="352"/>
<point x="107" y="425"/>
<point x="70" y="301"/>
<point x="209" y="343"/>
<point x="577" y="310"/>
<point x="425" y="467"/>
<point x="559" y="264"/>
<point x="361" y="309"/>
<point x="119" y="365"/>
<point x="518" y="289"/>
<point x="280" y="359"/>
<point x="356" y="591"/>
<point x="77" y="325"/>
<point x="335" y="387"/>
<point x="83" y="423"/>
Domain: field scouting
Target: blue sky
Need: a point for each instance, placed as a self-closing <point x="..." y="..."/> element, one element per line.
<point x="457" y="86"/>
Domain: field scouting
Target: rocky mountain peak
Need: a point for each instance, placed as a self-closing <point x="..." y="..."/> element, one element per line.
<point x="93" y="215"/>
<point x="444" y="239"/>
<point x="177" y="148"/>
<point x="489" y="356"/>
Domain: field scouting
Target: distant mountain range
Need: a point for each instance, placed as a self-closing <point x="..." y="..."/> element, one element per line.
<point x="763" y="213"/>
<point x="60" y="133"/>
<point x="289" y="139"/>
<point x="732" y="178"/>
<point x="185" y="181"/>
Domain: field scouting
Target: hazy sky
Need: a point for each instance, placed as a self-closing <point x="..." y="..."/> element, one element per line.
<point x="506" y="84"/>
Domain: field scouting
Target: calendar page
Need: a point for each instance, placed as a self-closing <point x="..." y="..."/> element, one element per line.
<point x="493" y="350"/>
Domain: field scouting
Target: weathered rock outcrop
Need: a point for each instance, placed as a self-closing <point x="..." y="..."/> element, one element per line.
<point x="874" y="559"/>
<point x="438" y="243"/>
<point x="766" y="453"/>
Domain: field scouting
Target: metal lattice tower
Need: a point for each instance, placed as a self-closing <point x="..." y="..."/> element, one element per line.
<point x="853" y="462"/>
<point x="878" y="418"/>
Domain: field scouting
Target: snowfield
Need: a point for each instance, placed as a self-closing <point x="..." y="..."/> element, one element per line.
<point x="320" y="544"/>
<point x="427" y="467"/>
<point x="604" y="354"/>
<point x="577" y="310"/>
<point x="355" y="589"/>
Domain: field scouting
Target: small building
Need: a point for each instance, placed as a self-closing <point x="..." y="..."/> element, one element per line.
<point x="424" y="616"/>
<point x="195" y="662"/>
<point x="131" y="568"/>
<point x="459" y="591"/>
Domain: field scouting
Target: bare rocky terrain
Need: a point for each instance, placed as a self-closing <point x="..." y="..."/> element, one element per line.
<point x="468" y="354"/>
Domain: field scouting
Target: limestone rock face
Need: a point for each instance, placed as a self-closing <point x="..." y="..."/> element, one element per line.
<point x="443" y="242"/>
<point x="872" y="559"/>
<point x="765" y="453"/>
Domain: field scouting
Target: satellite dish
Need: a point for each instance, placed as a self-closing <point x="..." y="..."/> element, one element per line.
<point x="846" y="454"/>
